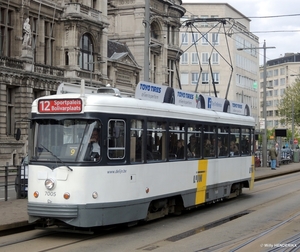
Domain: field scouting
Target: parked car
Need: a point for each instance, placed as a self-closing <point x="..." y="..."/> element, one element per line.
<point x="22" y="184"/>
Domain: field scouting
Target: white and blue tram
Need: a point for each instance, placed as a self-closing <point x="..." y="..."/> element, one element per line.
<point x="153" y="158"/>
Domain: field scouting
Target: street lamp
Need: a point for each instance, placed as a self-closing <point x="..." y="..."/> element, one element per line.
<point x="264" y="143"/>
<point x="147" y="40"/>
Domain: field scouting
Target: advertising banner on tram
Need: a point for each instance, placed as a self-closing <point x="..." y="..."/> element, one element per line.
<point x="160" y="93"/>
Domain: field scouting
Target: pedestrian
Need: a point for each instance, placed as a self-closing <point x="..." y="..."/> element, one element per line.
<point x="273" y="157"/>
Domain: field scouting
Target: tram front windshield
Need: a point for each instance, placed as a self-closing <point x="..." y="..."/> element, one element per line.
<point x="69" y="140"/>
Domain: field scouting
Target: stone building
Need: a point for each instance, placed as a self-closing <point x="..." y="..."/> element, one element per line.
<point x="281" y="74"/>
<point x="127" y="19"/>
<point x="44" y="43"/>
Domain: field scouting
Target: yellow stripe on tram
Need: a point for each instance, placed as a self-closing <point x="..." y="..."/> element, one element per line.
<point x="200" y="179"/>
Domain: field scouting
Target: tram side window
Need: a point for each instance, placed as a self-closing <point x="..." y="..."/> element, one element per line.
<point x="193" y="146"/>
<point x="156" y="139"/>
<point x="245" y="142"/>
<point x="223" y="134"/>
<point x="209" y="143"/>
<point x="176" y="141"/>
<point x="116" y="139"/>
<point x="234" y="144"/>
<point x="136" y="141"/>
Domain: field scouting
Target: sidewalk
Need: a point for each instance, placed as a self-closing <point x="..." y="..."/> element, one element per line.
<point x="14" y="213"/>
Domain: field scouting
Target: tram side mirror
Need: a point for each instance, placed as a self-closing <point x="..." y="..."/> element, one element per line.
<point x="18" y="134"/>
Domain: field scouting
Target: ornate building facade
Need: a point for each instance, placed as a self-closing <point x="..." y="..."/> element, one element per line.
<point x="44" y="43"/>
<point x="127" y="19"/>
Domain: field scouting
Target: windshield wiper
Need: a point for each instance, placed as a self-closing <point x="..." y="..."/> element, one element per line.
<point x="57" y="157"/>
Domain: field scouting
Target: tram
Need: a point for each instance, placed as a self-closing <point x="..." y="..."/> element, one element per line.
<point x="99" y="158"/>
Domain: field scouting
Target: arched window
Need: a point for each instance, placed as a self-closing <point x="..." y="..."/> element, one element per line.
<point x="86" y="53"/>
<point x="155" y="30"/>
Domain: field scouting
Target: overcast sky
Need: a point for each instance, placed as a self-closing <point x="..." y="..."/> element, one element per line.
<point x="281" y="31"/>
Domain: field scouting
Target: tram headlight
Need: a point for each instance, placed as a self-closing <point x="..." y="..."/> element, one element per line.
<point x="49" y="184"/>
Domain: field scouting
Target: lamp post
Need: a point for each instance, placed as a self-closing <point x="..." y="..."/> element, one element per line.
<point x="264" y="143"/>
<point x="147" y="40"/>
<point x="293" y="122"/>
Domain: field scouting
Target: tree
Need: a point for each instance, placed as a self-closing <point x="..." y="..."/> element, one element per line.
<point x="290" y="100"/>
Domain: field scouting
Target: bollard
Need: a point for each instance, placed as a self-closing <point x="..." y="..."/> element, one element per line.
<point x="6" y="183"/>
<point x="18" y="182"/>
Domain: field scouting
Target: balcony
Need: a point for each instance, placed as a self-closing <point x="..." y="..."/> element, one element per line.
<point x="15" y="64"/>
<point x="77" y="10"/>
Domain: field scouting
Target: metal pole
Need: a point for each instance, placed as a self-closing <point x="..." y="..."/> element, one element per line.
<point x="147" y="40"/>
<point x="264" y="143"/>
<point x="293" y="122"/>
<point x="91" y="65"/>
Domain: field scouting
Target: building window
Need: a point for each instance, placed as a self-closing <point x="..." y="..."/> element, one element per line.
<point x="195" y="58"/>
<point x="184" y="58"/>
<point x="216" y="78"/>
<point x="215" y="38"/>
<point x="205" y="58"/>
<point x="171" y="34"/>
<point x="34" y="31"/>
<point x="184" y="78"/>
<point x="205" y="39"/>
<point x="10" y="111"/>
<point x="94" y="4"/>
<point x="171" y="70"/>
<point x="184" y="39"/>
<point x="86" y="53"/>
<point x="215" y="58"/>
<point x="154" y="30"/>
<point x="49" y="42"/>
<point x="195" y="77"/>
<point x="204" y="21"/>
<point x="215" y="22"/>
<point x="195" y="38"/>
<point x="5" y="32"/>
<point x="205" y="78"/>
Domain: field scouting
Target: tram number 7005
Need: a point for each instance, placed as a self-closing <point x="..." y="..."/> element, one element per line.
<point x="53" y="194"/>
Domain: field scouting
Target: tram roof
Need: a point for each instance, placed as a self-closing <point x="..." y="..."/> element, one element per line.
<point x="133" y="106"/>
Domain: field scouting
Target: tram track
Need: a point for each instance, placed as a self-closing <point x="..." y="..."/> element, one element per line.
<point x="265" y="232"/>
<point x="47" y="234"/>
<point x="176" y="237"/>
<point x="273" y="186"/>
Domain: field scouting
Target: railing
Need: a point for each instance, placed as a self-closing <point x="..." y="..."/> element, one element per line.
<point x="283" y="157"/>
<point x="12" y="176"/>
<point x="74" y="9"/>
<point x="38" y="68"/>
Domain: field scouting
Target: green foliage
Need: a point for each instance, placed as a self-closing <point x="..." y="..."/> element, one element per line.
<point x="272" y="133"/>
<point x="290" y="104"/>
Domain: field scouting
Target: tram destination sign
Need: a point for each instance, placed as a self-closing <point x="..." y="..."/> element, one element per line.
<point x="60" y="105"/>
